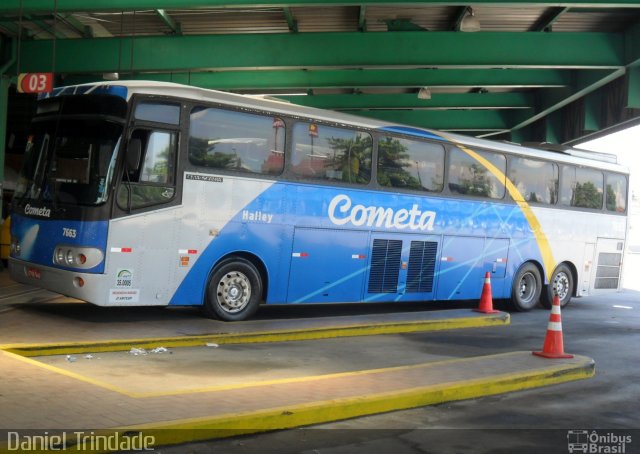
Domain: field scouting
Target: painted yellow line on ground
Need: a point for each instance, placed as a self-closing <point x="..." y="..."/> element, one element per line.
<point x="307" y="378"/>
<point x="548" y="372"/>
<point x="206" y="428"/>
<point x="251" y="384"/>
<point x="66" y="348"/>
<point x="67" y="373"/>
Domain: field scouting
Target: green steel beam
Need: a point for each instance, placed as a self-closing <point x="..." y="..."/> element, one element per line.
<point x="362" y="18"/>
<point x="42" y="25"/>
<point x="9" y="28"/>
<point x="545" y="23"/>
<point x="518" y="136"/>
<point x="9" y="47"/>
<point x="332" y="50"/>
<point x="633" y="96"/>
<point x="411" y="101"/>
<point x="593" y="111"/>
<point x="402" y="25"/>
<point x="587" y="82"/>
<point x="13" y="6"/>
<point x="451" y="120"/>
<point x="84" y="30"/>
<point x="15" y="19"/>
<point x="467" y="132"/>
<point x="5" y="82"/>
<point x="168" y="21"/>
<point x="13" y="28"/>
<point x="292" y="23"/>
<point x="632" y="45"/>
<point x="304" y="79"/>
<point x="553" y="128"/>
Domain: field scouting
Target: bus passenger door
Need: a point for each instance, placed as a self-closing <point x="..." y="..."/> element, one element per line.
<point x="327" y="265"/>
<point x="143" y="251"/>
<point x="461" y="268"/>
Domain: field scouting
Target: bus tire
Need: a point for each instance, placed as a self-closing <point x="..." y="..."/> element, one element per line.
<point x="562" y="281"/>
<point x="234" y="290"/>
<point x="526" y="289"/>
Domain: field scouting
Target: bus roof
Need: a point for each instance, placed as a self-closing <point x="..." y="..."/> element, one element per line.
<point x="126" y="89"/>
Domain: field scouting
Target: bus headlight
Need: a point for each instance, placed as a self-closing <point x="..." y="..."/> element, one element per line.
<point x="15" y="246"/>
<point x="77" y="257"/>
<point x="59" y="259"/>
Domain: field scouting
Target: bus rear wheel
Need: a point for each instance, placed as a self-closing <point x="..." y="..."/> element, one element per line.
<point x="234" y="290"/>
<point x="526" y="288"/>
<point x="561" y="284"/>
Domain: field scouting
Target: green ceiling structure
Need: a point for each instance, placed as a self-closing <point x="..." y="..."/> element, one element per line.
<point x="29" y="6"/>
<point x="537" y="70"/>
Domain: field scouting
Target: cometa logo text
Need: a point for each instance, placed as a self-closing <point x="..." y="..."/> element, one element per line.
<point x="342" y="212"/>
<point x="33" y="211"/>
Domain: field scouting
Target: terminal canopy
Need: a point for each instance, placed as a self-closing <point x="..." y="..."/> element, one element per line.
<point x="526" y="71"/>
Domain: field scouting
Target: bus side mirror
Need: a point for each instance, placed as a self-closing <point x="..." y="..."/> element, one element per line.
<point x="134" y="151"/>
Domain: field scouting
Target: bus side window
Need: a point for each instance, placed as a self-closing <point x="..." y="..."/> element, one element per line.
<point x="154" y="181"/>
<point x="157" y="166"/>
<point x="470" y="177"/>
<point x="537" y="181"/>
<point x="333" y="154"/>
<point x="581" y="187"/>
<point x="616" y="193"/>
<point x="410" y="164"/>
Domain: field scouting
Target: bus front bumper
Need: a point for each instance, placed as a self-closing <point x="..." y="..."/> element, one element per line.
<point x="88" y="287"/>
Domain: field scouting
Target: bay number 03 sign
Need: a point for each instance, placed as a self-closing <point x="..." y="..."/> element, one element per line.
<point x="35" y="82"/>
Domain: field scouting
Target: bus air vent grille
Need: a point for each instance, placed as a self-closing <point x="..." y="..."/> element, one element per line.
<point x="385" y="266"/>
<point x="608" y="273"/>
<point x="422" y="265"/>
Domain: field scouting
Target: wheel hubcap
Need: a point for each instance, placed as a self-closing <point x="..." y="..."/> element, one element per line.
<point x="561" y="285"/>
<point x="527" y="288"/>
<point x="234" y="292"/>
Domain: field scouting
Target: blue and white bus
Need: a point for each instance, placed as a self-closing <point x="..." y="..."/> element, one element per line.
<point x="147" y="193"/>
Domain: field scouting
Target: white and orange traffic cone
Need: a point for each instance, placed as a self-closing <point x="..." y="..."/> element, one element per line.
<point x="486" y="301"/>
<point x="553" y="343"/>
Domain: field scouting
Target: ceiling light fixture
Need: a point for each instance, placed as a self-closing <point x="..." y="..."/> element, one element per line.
<point x="469" y="22"/>
<point x="424" y="93"/>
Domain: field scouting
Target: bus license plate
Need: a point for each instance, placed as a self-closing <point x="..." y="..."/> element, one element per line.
<point x="34" y="273"/>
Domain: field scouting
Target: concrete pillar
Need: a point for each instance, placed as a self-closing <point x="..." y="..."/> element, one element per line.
<point x="5" y="81"/>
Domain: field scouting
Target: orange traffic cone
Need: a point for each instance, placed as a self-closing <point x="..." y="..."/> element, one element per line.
<point x="486" y="301"/>
<point x="553" y="344"/>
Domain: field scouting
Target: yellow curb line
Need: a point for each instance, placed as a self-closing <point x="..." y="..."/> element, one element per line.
<point x="30" y="350"/>
<point x="229" y="425"/>
<point x="195" y="429"/>
<point x="68" y="373"/>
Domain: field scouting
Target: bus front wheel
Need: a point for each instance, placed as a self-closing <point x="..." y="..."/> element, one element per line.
<point x="526" y="289"/>
<point x="234" y="290"/>
<point x="561" y="284"/>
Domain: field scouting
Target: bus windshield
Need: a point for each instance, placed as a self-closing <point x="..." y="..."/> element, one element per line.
<point x="69" y="160"/>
